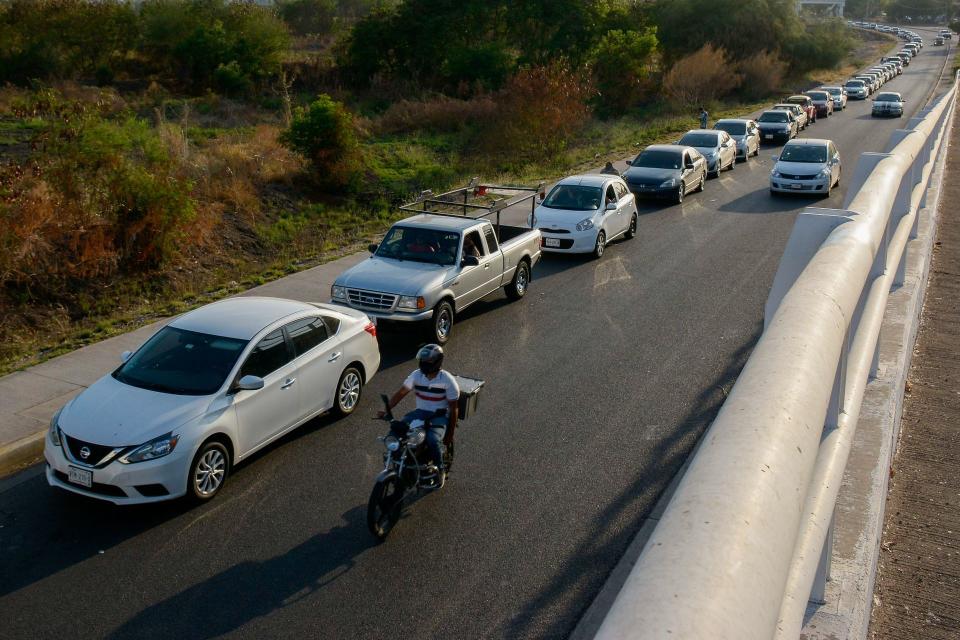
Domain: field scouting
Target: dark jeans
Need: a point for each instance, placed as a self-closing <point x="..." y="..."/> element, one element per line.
<point x="438" y="427"/>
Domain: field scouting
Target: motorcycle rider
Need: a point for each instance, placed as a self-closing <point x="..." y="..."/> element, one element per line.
<point x="435" y="389"/>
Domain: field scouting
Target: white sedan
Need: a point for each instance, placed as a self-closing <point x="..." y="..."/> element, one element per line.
<point x="205" y="392"/>
<point x="582" y="214"/>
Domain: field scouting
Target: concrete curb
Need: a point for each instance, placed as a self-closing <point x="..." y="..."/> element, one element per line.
<point x="862" y="500"/>
<point x="21" y="453"/>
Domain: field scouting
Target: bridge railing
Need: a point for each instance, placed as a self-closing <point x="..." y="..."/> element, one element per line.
<point x="744" y="542"/>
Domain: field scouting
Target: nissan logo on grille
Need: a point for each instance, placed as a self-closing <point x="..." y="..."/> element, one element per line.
<point x="84" y="452"/>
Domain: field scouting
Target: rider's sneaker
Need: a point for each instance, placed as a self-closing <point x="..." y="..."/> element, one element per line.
<point x="441" y="478"/>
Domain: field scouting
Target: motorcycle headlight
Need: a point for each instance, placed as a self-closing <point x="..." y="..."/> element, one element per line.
<point x="583" y="225"/>
<point x="391" y="443"/>
<point x="411" y="302"/>
<point x="156" y="448"/>
<point x="416" y="437"/>
<point x="672" y="182"/>
<point x="338" y="293"/>
<point x="55" y="429"/>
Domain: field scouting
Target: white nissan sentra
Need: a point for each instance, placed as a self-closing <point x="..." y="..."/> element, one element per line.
<point x="205" y="392"/>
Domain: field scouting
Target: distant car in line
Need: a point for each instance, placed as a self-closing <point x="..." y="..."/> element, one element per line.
<point x="905" y="58"/>
<point x="206" y="391"/>
<point x="857" y="89"/>
<point x="839" y="95"/>
<point x="806" y="104"/>
<point x="719" y="149"/>
<point x="797" y="111"/>
<point x="778" y="125"/>
<point x="666" y="171"/>
<point x="808" y="166"/>
<point x="744" y="132"/>
<point x="823" y="101"/>
<point x="887" y="103"/>
<point x="938" y="41"/>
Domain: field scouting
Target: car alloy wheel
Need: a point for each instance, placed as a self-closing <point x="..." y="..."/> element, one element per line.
<point x="209" y="470"/>
<point x="348" y="391"/>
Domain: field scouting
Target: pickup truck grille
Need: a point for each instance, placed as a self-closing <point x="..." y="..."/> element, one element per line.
<point x="371" y="299"/>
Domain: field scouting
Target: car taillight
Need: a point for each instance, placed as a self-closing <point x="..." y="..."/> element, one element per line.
<point x="371" y="329"/>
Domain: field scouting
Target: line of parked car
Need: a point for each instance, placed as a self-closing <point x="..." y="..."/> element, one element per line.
<point x="219" y="383"/>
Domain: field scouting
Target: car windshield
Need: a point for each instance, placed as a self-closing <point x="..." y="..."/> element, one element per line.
<point x="181" y="362"/>
<point x="432" y="246"/>
<point x="658" y="159"/>
<point x="733" y="128"/>
<point x="774" y="116"/>
<point x="574" y="197"/>
<point x="888" y="97"/>
<point x="856" y="85"/>
<point x="804" y="153"/>
<point x="819" y="95"/>
<point x="835" y="91"/>
<point x="797" y="100"/>
<point x="700" y="140"/>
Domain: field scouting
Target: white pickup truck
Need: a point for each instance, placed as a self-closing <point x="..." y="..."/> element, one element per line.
<point x="432" y="266"/>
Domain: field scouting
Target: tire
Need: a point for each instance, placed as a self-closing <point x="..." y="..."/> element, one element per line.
<point x="208" y="471"/>
<point x="632" y="229"/>
<point x="521" y="281"/>
<point x="703" y="181"/>
<point x="349" y="390"/>
<point x="678" y="199"/>
<point x="733" y="164"/>
<point x="600" y="246"/>
<point x="442" y="323"/>
<point x="383" y="508"/>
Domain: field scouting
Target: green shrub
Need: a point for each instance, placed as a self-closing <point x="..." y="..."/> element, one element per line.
<point x="325" y="134"/>
<point x="623" y="63"/>
<point x="314" y="17"/>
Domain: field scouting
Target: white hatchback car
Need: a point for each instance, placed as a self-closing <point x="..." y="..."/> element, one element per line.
<point x="582" y="214"/>
<point x="206" y="391"/>
<point x="808" y="166"/>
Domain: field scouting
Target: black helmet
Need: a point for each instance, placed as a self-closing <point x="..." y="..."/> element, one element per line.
<point x="430" y="358"/>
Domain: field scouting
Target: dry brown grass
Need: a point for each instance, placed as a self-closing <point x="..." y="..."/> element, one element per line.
<point x="703" y="76"/>
<point x="439" y="115"/>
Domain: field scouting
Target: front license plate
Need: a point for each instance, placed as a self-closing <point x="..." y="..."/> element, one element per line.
<point x="551" y="242"/>
<point x="768" y="136"/>
<point x="80" y="476"/>
<point x="796" y="186"/>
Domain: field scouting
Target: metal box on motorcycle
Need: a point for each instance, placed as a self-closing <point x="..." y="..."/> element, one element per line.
<point x="469" y="393"/>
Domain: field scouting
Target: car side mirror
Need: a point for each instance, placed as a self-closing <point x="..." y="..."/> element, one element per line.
<point x="629" y="162"/>
<point x="689" y="165"/>
<point x="775" y="158"/>
<point x="249" y="383"/>
<point x="372" y="247"/>
<point x="470" y="261"/>
<point x="125" y="356"/>
<point x="611" y="206"/>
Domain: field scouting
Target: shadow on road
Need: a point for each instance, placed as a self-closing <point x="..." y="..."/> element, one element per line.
<point x="648" y="485"/>
<point x="250" y="590"/>
<point x="762" y="201"/>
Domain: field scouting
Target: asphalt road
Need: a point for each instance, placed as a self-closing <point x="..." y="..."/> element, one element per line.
<point x="599" y="384"/>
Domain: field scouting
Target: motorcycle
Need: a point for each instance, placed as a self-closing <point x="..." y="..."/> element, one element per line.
<point x="408" y="469"/>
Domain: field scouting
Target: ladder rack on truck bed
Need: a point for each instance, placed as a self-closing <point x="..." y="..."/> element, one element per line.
<point x="482" y="199"/>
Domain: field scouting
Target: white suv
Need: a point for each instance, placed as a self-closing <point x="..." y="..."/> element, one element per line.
<point x="206" y="391"/>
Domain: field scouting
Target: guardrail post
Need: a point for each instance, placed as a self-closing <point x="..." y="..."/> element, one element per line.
<point x="810" y="229"/>
<point x="818" y="593"/>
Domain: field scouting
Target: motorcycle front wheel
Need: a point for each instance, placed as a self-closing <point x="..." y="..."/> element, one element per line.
<point x="383" y="510"/>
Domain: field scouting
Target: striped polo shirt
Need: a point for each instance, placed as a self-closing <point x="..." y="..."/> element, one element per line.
<point x="435" y="393"/>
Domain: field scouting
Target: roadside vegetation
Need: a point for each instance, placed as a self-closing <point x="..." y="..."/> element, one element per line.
<point x="158" y="155"/>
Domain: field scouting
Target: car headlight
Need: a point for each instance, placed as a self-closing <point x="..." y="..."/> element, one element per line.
<point x="775" y="174"/>
<point x="583" y="225"/>
<point x="338" y="293"/>
<point x="55" y="429"/>
<point x="156" y="448"/>
<point x="666" y="184"/>
<point x="411" y="302"/>
<point x="825" y="172"/>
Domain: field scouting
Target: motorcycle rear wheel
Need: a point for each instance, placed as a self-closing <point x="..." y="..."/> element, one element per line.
<point x="383" y="510"/>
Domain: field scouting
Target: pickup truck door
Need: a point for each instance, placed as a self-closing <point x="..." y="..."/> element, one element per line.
<point x="474" y="282"/>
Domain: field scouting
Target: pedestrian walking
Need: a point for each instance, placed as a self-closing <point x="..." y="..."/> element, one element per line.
<point x="704" y="117"/>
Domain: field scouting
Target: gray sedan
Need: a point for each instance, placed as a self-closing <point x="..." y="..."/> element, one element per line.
<point x="744" y="132"/>
<point x="717" y="147"/>
<point x="666" y="171"/>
